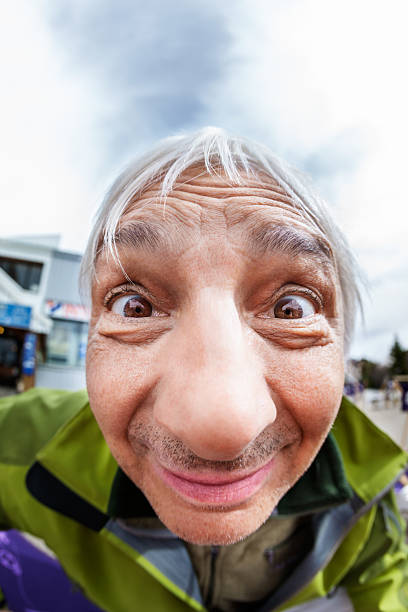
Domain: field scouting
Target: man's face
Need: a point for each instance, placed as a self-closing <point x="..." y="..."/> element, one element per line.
<point x="215" y="363"/>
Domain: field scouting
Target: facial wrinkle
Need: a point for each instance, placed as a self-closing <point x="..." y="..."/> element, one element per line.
<point x="256" y="179"/>
<point x="227" y="194"/>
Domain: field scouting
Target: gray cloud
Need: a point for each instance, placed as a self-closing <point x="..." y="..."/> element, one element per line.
<point x="340" y="155"/>
<point x="338" y="159"/>
<point x="152" y="60"/>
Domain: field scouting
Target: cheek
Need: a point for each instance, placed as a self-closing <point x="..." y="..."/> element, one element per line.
<point x="118" y="379"/>
<point x="310" y="385"/>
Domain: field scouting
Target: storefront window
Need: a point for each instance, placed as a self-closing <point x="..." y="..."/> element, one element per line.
<point x="8" y="352"/>
<point x="9" y="359"/>
<point x="66" y="343"/>
<point x="26" y="273"/>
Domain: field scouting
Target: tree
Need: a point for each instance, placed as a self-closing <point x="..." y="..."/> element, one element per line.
<point x="398" y="359"/>
<point x="372" y="374"/>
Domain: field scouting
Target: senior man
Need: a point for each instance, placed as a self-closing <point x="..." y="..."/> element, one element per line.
<point x="216" y="465"/>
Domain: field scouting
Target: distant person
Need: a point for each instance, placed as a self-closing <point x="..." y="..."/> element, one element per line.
<point x="216" y="465"/>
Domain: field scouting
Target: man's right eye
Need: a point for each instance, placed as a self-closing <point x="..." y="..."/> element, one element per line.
<point x="132" y="306"/>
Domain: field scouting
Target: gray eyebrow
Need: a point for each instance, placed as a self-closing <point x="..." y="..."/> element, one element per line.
<point x="141" y="234"/>
<point x="268" y="238"/>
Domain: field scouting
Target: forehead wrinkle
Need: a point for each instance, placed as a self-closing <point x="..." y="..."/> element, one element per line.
<point x="210" y="189"/>
<point x="264" y="217"/>
<point x="169" y="211"/>
<point x="229" y="193"/>
<point x="249" y="216"/>
<point x="254" y="179"/>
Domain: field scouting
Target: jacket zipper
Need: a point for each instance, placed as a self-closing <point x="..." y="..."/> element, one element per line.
<point x="359" y="509"/>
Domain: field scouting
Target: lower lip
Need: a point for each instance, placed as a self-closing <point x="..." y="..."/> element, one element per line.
<point x="213" y="494"/>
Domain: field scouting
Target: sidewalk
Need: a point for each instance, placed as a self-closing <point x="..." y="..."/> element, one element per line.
<point x="387" y="415"/>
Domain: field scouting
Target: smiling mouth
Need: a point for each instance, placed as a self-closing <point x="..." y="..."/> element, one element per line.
<point x="215" y="489"/>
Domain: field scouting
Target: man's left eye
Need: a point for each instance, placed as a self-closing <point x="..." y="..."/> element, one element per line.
<point x="293" y="307"/>
<point x="132" y="306"/>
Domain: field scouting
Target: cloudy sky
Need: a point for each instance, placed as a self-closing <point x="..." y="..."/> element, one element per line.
<point x="88" y="84"/>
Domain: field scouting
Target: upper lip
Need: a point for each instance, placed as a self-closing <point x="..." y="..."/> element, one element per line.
<point x="212" y="478"/>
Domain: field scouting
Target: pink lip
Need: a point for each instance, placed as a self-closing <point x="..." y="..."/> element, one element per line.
<point x="215" y="489"/>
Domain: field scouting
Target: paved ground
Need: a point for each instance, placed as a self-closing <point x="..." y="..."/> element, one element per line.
<point x="387" y="415"/>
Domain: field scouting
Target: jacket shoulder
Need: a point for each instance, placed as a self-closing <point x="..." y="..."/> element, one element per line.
<point x="371" y="459"/>
<point x="31" y="419"/>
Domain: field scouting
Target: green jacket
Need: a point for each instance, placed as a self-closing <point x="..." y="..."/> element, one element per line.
<point x="59" y="481"/>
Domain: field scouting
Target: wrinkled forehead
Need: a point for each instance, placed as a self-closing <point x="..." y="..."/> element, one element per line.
<point x="258" y="213"/>
<point x="197" y="197"/>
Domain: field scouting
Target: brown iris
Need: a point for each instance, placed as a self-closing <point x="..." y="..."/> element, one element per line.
<point x="288" y="308"/>
<point x="137" y="306"/>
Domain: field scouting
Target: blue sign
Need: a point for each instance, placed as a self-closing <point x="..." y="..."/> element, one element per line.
<point x="29" y="345"/>
<point x="15" y="315"/>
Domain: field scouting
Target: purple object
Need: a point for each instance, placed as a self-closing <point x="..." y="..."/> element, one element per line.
<point x="32" y="581"/>
<point x="398" y="485"/>
<point x="404" y="386"/>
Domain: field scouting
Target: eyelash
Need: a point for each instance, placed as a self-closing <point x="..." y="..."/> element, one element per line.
<point x="130" y="289"/>
<point x="294" y="290"/>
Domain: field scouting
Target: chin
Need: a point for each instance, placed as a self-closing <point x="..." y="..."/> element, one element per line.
<point x="218" y="527"/>
<point x="211" y="530"/>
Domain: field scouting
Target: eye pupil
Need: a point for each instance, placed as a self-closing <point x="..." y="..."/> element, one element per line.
<point x="288" y="308"/>
<point x="137" y="307"/>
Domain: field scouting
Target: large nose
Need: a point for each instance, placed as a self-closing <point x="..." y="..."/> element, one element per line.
<point x="212" y="394"/>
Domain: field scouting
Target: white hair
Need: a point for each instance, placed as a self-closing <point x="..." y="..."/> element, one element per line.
<point x="217" y="151"/>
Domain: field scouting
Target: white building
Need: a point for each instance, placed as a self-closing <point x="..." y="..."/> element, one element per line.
<point x="43" y="325"/>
